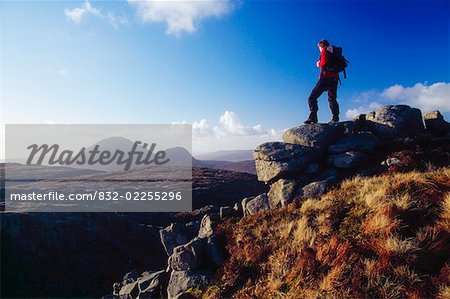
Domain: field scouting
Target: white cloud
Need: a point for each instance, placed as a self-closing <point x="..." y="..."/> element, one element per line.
<point x="423" y="96"/>
<point x="180" y="15"/>
<point x="78" y="13"/>
<point x="229" y="133"/>
<point x="230" y="125"/>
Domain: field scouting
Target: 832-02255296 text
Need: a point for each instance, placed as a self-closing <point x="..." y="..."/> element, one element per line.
<point x="99" y="195"/>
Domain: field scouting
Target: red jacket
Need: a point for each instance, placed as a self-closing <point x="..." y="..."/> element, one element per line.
<point x="323" y="63"/>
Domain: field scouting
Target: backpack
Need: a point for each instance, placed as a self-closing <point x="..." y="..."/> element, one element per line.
<point x="337" y="61"/>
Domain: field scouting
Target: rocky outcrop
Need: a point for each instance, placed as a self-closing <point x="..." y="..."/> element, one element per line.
<point x="182" y="281"/>
<point x="392" y="122"/>
<point x="194" y="251"/>
<point x="314" y="157"/>
<point x="435" y="123"/>
<point x="282" y="192"/>
<point x="347" y="160"/>
<point x="177" y="234"/>
<point x="275" y="159"/>
<point x="256" y="204"/>
<point x="141" y="285"/>
<point x="316" y="135"/>
<point x="360" y="142"/>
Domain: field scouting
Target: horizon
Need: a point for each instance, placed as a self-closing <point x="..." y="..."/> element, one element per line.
<point x="239" y="71"/>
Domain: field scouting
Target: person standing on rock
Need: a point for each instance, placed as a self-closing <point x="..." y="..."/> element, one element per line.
<point x="328" y="81"/>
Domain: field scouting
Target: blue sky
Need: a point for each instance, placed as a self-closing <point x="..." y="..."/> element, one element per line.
<point x="240" y="72"/>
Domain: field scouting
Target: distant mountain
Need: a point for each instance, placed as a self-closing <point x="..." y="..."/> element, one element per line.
<point x="228" y="155"/>
<point x="233" y="160"/>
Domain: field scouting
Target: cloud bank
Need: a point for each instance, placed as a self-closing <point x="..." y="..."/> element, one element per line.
<point x="182" y="15"/>
<point x="423" y="96"/>
<point x="229" y="133"/>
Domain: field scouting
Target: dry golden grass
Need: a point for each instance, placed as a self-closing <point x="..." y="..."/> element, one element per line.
<point x="383" y="237"/>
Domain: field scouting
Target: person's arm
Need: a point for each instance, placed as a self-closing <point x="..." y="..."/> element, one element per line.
<point x="324" y="59"/>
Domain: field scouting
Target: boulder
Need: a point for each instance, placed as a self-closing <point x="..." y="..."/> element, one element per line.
<point x="188" y="256"/>
<point x="206" y="227"/>
<point x="226" y="212"/>
<point x="181" y="281"/>
<point x="276" y="159"/>
<point x="360" y="142"/>
<point x="153" y="285"/>
<point x="129" y="291"/>
<point x="244" y="205"/>
<point x="269" y="171"/>
<point x="132" y="276"/>
<point x="282" y="192"/>
<point x="347" y="160"/>
<point x="315" y="135"/>
<point x="257" y="204"/>
<point x="393" y="122"/>
<point x="315" y="189"/>
<point x="177" y="234"/>
<point x="435" y="123"/>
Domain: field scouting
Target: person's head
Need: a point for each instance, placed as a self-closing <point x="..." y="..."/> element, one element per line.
<point x="323" y="44"/>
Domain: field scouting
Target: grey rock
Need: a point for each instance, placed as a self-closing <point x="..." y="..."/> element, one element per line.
<point x="129" y="291"/>
<point x="152" y="285"/>
<point x="188" y="256"/>
<point x="181" y="281"/>
<point x="132" y="276"/>
<point x="244" y="205"/>
<point x="347" y="160"/>
<point x="269" y="171"/>
<point x="177" y="234"/>
<point x="315" y="189"/>
<point x="257" y="204"/>
<point x="435" y="123"/>
<point x="280" y="151"/>
<point x="392" y="122"/>
<point x="206" y="227"/>
<point x="316" y="135"/>
<point x="282" y="192"/>
<point x="225" y="212"/>
<point x="275" y="159"/>
<point x="362" y="142"/>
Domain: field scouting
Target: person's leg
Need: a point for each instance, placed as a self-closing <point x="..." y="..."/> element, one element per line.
<point x="332" y="99"/>
<point x="312" y="101"/>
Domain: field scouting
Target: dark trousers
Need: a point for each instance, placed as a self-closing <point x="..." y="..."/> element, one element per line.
<point x="324" y="84"/>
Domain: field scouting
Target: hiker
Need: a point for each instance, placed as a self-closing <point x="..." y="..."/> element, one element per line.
<point x="328" y="81"/>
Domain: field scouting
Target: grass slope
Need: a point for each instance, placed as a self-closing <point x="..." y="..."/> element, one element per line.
<point x="381" y="237"/>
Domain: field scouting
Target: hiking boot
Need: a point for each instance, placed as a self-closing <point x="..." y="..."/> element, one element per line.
<point x="335" y="119"/>
<point x="312" y="119"/>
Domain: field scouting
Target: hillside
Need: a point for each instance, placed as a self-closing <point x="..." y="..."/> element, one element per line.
<point x="381" y="237"/>
<point x="355" y="209"/>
